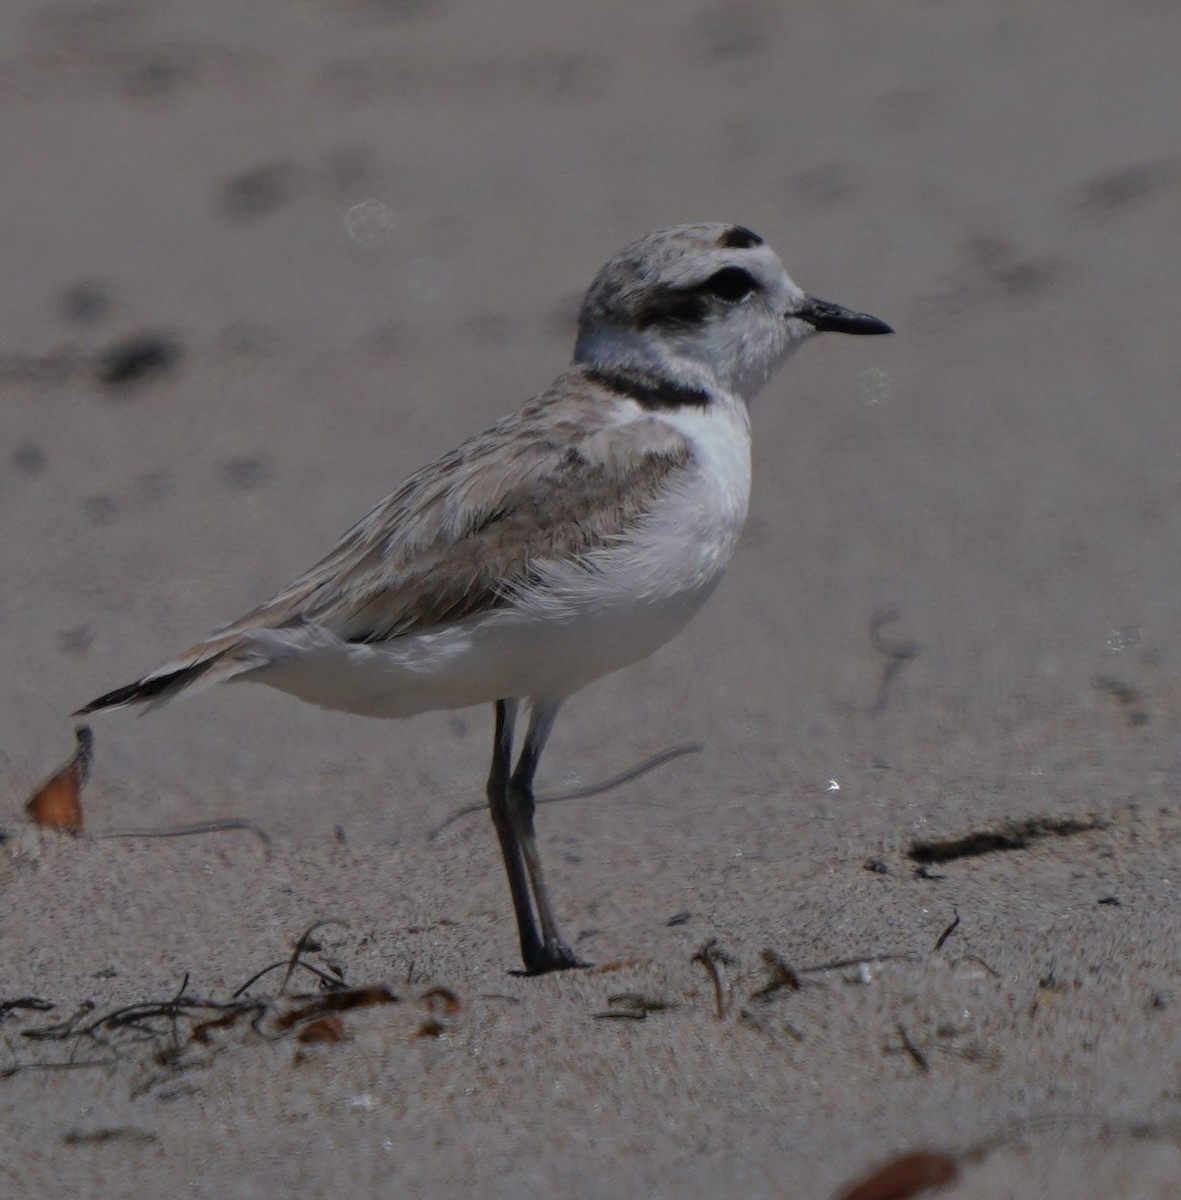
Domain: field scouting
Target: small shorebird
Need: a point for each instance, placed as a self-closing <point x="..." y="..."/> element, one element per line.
<point x="560" y="544"/>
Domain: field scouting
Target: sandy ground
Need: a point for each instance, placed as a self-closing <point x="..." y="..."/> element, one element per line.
<point x="362" y="228"/>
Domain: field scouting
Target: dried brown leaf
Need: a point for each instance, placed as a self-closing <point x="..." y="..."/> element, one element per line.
<point x="905" y="1176"/>
<point x="324" y="1029"/>
<point x="57" y="803"/>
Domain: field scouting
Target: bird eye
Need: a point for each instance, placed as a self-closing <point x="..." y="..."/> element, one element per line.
<point x="730" y="283"/>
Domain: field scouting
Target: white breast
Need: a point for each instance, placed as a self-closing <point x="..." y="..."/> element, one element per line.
<point x="692" y="533"/>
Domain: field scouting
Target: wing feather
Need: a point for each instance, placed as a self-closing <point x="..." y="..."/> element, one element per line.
<point x="561" y="477"/>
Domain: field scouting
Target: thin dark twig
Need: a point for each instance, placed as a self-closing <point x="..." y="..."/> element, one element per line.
<point x="258" y="975"/>
<point x="74" y="1064"/>
<point x="294" y="960"/>
<point x="225" y="826"/>
<point x="980" y="962"/>
<point x="583" y="793"/>
<point x="62" y="1029"/>
<point x="920" y="1059"/>
<point x="325" y="977"/>
<point x="713" y="958"/>
<point x="176" y="1001"/>
<point x="632" y="773"/>
<point x="35" y="1003"/>
<point x="951" y="928"/>
<point x="783" y="975"/>
<point x="131" y="1016"/>
<point x="301" y="946"/>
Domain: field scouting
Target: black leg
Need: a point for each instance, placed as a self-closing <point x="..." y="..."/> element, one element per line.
<point x="555" y="954"/>
<point x="499" y="801"/>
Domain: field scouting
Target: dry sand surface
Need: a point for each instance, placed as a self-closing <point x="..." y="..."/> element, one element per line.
<point x="357" y="230"/>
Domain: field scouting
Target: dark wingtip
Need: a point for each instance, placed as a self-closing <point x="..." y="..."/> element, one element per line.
<point x="124" y="695"/>
<point x="145" y="689"/>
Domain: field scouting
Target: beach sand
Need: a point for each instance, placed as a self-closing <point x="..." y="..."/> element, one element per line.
<point x="263" y="261"/>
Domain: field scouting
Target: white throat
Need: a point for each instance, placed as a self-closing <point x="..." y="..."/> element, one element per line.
<point x="699" y="361"/>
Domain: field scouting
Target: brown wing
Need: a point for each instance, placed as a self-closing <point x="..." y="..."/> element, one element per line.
<point x="554" y="481"/>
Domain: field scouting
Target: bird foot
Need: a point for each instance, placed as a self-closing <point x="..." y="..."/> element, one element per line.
<point x="552" y="956"/>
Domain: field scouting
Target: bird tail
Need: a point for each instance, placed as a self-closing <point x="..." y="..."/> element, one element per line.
<point x="206" y="663"/>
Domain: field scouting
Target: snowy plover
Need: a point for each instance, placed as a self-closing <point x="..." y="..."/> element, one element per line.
<point x="560" y="544"/>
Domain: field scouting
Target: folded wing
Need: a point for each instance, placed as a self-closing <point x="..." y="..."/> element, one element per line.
<point x="558" y="479"/>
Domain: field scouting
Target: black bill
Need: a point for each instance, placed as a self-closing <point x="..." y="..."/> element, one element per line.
<point x="826" y="317"/>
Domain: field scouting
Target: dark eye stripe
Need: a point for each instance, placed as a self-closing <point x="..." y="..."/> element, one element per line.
<point x="685" y="306"/>
<point x="673" y="308"/>
<point x="730" y="283"/>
